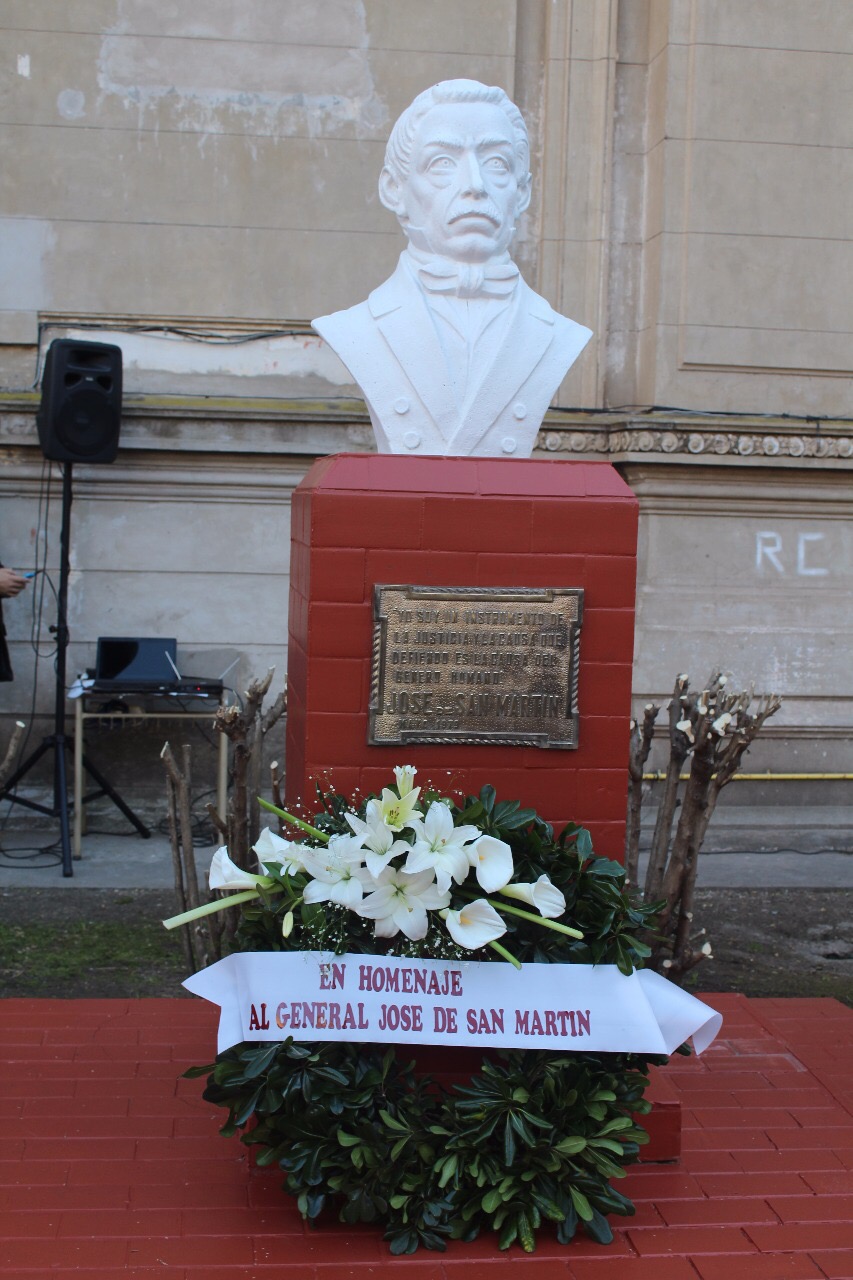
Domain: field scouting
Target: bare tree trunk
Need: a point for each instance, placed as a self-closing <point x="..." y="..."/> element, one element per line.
<point x="246" y="729"/>
<point x="641" y="743"/>
<point x="205" y="933"/>
<point x="715" y="728"/>
<point x="9" y="759"/>
<point x="678" y="750"/>
<point x="178" y="870"/>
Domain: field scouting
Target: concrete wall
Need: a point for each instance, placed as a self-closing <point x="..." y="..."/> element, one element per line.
<point x="196" y="183"/>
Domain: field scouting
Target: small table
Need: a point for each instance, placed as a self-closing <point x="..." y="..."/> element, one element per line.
<point x="141" y="706"/>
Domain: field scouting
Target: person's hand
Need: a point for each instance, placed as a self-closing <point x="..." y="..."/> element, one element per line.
<point x="11" y="582"/>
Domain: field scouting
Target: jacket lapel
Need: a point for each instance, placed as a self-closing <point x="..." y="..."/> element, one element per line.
<point x="529" y="334"/>
<point x="406" y="325"/>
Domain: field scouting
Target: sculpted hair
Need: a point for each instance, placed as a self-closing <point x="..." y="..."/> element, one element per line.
<point x="398" y="153"/>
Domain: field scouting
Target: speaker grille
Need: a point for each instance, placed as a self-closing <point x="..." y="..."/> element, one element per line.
<point x="80" y="413"/>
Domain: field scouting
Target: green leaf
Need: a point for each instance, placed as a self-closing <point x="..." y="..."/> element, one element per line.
<point x="615" y="1125"/>
<point x="582" y="1205"/>
<point x="448" y="1171"/>
<point x="248" y="1107"/>
<point x="509" y="1142"/>
<point x="522" y="818"/>
<point x="583" y="843"/>
<point x="391" y="1122"/>
<point x="260" y="1061"/>
<point x="487" y="798"/>
<point x="598" y="1228"/>
<point x="570" y="1146"/>
<point x="508" y="1234"/>
<point x="347" y="1139"/>
<point x="491" y="1201"/>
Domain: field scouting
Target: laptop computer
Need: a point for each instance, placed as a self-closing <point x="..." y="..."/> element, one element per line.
<point x="137" y="663"/>
<point x="147" y="664"/>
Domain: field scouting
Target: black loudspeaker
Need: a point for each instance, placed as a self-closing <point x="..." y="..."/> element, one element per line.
<point x="79" y="417"/>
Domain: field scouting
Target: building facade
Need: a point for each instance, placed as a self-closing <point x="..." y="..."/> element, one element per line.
<point x="195" y="183"/>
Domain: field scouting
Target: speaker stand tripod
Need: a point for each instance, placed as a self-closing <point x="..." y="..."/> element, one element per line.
<point x="58" y="742"/>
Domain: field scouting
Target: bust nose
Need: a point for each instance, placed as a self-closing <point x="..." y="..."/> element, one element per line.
<point x="472" y="175"/>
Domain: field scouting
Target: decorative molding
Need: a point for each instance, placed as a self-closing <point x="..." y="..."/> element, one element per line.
<point x="304" y="429"/>
<point x="709" y="440"/>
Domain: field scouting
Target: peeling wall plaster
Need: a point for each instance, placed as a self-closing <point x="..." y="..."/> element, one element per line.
<point x="263" y="64"/>
<point x="158" y="361"/>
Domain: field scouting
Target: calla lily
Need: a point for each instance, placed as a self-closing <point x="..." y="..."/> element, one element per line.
<point x="492" y="862"/>
<point x="272" y="848"/>
<point x="405" y="776"/>
<point x="439" y="847"/>
<point x="543" y="895"/>
<point x="400" y="903"/>
<point x="476" y="925"/>
<point x="337" y="871"/>
<point x="225" y="874"/>
<point x="378" y="839"/>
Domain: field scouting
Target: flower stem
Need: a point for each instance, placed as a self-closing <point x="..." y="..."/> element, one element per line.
<point x="210" y="908"/>
<point x="506" y="955"/>
<point x="297" y="822"/>
<point x="528" y="915"/>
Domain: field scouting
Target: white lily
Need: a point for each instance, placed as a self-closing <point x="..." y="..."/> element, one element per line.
<point x="225" y="874"/>
<point x="379" y="840"/>
<point x="492" y="862"/>
<point x="337" y="871"/>
<point x="541" y="894"/>
<point x="397" y="810"/>
<point x="273" y="848"/>
<point x="475" y="925"/>
<point x="405" y="776"/>
<point x="401" y="902"/>
<point x="439" y="847"/>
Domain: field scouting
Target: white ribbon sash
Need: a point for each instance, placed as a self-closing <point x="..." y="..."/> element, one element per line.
<point x="313" y="995"/>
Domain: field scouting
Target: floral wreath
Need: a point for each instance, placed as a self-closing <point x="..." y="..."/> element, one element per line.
<point x="533" y="1135"/>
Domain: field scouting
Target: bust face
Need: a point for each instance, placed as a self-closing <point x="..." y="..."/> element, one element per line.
<point x="465" y="188"/>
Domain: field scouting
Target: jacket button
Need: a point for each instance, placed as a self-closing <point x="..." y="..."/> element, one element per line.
<point x="509" y="444"/>
<point x="411" y="439"/>
<point x="519" y="410"/>
<point x="401" y="405"/>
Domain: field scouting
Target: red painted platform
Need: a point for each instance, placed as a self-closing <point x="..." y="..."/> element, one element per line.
<point x="112" y="1167"/>
<point x="362" y="519"/>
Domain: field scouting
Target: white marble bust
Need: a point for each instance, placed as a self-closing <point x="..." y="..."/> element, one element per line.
<point x="455" y="354"/>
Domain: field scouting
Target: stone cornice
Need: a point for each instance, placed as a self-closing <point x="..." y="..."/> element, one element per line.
<point x="316" y="427"/>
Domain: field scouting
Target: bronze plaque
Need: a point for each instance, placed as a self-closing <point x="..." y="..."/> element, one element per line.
<point x="486" y="665"/>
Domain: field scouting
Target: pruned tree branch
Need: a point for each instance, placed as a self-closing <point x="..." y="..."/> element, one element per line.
<point x="11" y="756"/>
<point x="712" y="729"/>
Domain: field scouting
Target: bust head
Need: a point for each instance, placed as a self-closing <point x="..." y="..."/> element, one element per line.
<point x="456" y="171"/>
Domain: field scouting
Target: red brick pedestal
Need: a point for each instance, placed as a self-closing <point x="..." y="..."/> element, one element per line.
<point x="362" y="519"/>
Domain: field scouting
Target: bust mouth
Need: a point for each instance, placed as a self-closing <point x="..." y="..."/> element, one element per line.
<point x="475" y="216"/>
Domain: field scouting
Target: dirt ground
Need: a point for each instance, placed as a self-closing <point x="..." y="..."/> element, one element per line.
<point x="105" y="943"/>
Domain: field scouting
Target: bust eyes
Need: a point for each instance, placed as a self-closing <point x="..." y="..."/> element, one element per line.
<point x="496" y="165"/>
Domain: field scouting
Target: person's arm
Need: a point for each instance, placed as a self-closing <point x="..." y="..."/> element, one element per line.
<point x="11" y="582"/>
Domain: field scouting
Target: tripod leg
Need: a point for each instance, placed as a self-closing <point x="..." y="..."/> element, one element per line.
<point x="61" y="800"/>
<point x="110" y="791"/>
<point x="32" y="758"/>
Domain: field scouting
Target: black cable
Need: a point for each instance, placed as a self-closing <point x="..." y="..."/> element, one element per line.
<point x="11" y="858"/>
<point x="36" y="614"/>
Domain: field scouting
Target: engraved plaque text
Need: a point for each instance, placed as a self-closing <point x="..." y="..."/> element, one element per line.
<point x="486" y="665"/>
